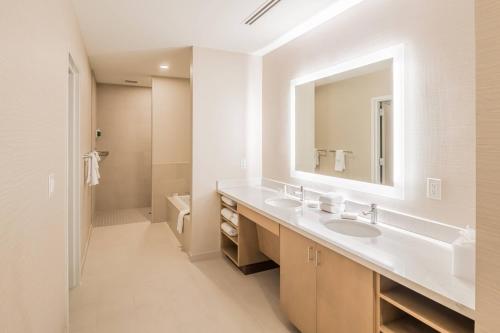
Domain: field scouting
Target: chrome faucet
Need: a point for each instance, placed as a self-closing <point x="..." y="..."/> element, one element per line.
<point x="302" y="193"/>
<point x="373" y="212"/>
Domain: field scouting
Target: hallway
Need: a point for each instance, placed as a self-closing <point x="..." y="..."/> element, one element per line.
<point x="136" y="279"/>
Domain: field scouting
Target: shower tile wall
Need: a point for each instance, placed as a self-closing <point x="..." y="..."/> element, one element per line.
<point x="124" y="116"/>
<point x="171" y="142"/>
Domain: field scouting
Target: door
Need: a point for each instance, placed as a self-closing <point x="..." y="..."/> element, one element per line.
<point x="345" y="297"/>
<point x="298" y="280"/>
<point x="381" y="135"/>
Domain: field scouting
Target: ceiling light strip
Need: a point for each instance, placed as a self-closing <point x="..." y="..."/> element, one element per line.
<point x="318" y="19"/>
<point x="267" y="6"/>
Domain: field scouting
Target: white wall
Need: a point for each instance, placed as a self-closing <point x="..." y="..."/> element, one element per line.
<point x="36" y="37"/>
<point x="226" y="129"/>
<point x="439" y="121"/>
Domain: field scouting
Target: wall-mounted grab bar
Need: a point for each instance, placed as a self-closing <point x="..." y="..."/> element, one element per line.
<point x="101" y="153"/>
<point x="345" y="151"/>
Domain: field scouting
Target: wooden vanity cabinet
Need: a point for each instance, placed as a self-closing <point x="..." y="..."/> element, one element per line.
<point x="298" y="280"/>
<point x="322" y="291"/>
<point x="345" y="294"/>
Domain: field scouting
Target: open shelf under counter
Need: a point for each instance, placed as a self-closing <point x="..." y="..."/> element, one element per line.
<point x="406" y="324"/>
<point x="223" y="219"/>
<point x="234" y="239"/>
<point x="429" y="312"/>
<point x="231" y="251"/>
<point x="225" y="205"/>
<point x="404" y="310"/>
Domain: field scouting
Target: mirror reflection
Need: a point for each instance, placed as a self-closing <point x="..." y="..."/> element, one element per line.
<point x="343" y="125"/>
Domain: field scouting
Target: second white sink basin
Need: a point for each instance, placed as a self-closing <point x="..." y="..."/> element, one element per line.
<point x="353" y="228"/>
<point x="283" y="202"/>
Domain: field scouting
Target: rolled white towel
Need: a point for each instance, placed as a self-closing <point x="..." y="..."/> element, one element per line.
<point x="334" y="209"/>
<point x="331" y="198"/>
<point x="349" y="216"/>
<point x="228" y="201"/>
<point x="235" y="219"/>
<point x="227" y="213"/>
<point x="228" y="229"/>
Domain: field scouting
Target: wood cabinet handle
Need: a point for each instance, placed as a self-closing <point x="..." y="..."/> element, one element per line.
<point x="318" y="261"/>
<point x="309" y="250"/>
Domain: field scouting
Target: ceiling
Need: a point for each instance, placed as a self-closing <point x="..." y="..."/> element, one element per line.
<point x="127" y="39"/>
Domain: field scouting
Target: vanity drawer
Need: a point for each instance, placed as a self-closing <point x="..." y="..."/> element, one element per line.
<point x="259" y="219"/>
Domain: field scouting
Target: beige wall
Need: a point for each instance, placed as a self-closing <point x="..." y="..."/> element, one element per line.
<point x="36" y="38"/>
<point x="226" y="129"/>
<point x="344" y="121"/>
<point x="488" y="164"/>
<point x="305" y="127"/>
<point x="439" y="120"/>
<point x="124" y="116"/>
<point x="171" y="142"/>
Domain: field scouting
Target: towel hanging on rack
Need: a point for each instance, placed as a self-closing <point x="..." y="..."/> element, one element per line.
<point x="339" y="160"/>
<point x="93" y="174"/>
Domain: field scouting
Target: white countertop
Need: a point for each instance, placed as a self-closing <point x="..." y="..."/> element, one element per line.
<point x="418" y="262"/>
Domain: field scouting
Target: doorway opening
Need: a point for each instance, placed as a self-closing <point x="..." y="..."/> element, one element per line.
<point x="381" y="133"/>
<point x="73" y="176"/>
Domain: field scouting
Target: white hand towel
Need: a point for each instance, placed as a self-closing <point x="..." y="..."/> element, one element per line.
<point x="93" y="168"/>
<point x="227" y="213"/>
<point x="228" y="201"/>
<point x="180" y="220"/>
<point x="339" y="160"/>
<point x="316" y="158"/>
<point x="228" y="229"/>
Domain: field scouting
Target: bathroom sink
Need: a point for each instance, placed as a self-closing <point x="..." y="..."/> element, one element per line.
<point x="283" y="202"/>
<point x="353" y="228"/>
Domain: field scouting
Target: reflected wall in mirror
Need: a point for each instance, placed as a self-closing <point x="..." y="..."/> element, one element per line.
<point x="343" y="124"/>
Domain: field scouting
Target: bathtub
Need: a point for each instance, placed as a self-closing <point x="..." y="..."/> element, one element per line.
<point x="176" y="204"/>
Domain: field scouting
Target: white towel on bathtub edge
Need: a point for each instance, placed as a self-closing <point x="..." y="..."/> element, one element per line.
<point x="180" y="220"/>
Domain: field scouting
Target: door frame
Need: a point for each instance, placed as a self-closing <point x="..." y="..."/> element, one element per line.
<point x="73" y="175"/>
<point x="375" y="135"/>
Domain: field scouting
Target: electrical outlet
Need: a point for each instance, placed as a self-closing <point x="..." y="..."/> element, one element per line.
<point x="51" y="185"/>
<point x="243" y="164"/>
<point x="434" y="188"/>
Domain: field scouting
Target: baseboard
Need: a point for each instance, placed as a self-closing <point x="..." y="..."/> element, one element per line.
<point x="204" y="256"/>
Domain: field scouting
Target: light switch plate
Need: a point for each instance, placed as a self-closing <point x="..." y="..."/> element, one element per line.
<point x="51" y="185"/>
<point x="434" y="188"/>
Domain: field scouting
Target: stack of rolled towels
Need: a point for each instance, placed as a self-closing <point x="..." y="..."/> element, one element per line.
<point x="230" y="215"/>
<point x="331" y="203"/>
<point x="229" y="229"/>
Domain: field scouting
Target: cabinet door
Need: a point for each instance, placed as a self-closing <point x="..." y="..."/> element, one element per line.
<point x="345" y="295"/>
<point x="298" y="280"/>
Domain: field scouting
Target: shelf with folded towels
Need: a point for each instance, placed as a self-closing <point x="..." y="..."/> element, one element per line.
<point x="240" y="239"/>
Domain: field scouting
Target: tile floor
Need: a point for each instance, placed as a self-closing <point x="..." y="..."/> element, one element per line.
<point x="122" y="216"/>
<point x="137" y="280"/>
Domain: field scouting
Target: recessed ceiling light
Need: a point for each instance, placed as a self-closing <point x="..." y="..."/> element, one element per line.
<point x="164" y="66"/>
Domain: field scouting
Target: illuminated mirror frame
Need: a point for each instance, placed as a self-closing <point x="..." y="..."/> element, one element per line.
<point x="396" y="54"/>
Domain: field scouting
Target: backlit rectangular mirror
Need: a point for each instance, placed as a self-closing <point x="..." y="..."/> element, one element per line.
<point x="347" y="124"/>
